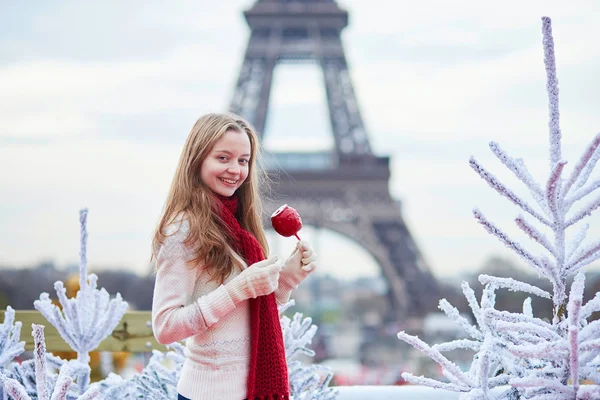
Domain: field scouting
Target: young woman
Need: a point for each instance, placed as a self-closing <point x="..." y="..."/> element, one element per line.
<point x="214" y="286"/>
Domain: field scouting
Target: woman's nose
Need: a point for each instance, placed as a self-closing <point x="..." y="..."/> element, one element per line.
<point x="233" y="169"/>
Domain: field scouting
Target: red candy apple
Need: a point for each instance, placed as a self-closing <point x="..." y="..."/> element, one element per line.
<point x="286" y="221"/>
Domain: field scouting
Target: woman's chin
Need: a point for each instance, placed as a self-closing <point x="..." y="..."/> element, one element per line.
<point x="226" y="192"/>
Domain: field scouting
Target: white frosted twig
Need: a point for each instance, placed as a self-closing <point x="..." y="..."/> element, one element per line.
<point x="484" y="365"/>
<point x="451" y="378"/>
<point x="588" y="361"/>
<point x="586" y="261"/>
<point x="516" y="247"/>
<point x="535" y="234"/>
<point x="588" y="392"/>
<point x="541" y="393"/>
<point x="298" y="333"/>
<point x="284" y="307"/>
<point x="513" y="285"/>
<point x="458" y="344"/>
<point x="586" y="211"/>
<point x="527" y="309"/>
<point x="90" y="394"/>
<point x="553" y="189"/>
<point x="515" y="336"/>
<point x="40" y="361"/>
<point x="583" y="162"/>
<point x="63" y="383"/>
<point x="83" y="248"/>
<point x="552" y="89"/>
<point x="454" y="315"/>
<point x="41" y="380"/>
<point x="576" y="299"/>
<point x="110" y="320"/>
<point x="470" y="296"/>
<point x="14" y="388"/>
<point x="553" y="274"/>
<point x="421" y="380"/>
<point x="569" y="201"/>
<point x="591" y="307"/>
<point x="488" y="299"/>
<point x="590" y="345"/>
<point x="576" y="241"/>
<point x="574" y="310"/>
<point x="515" y="318"/>
<point x="436" y="356"/>
<point x="533" y="329"/>
<point x="10" y="333"/>
<point x="504" y="191"/>
<point x="587" y="171"/>
<point x="588" y="253"/>
<point x="498" y="380"/>
<point x="539" y="382"/>
<point x="61" y="320"/>
<point x="517" y="166"/>
<point x="556" y="350"/>
<point x="555" y="205"/>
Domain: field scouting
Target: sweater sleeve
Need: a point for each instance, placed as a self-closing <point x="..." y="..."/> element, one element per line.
<point x="174" y="316"/>
<point x="283" y="291"/>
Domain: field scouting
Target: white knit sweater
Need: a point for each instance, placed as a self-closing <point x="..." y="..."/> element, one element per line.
<point x="187" y="304"/>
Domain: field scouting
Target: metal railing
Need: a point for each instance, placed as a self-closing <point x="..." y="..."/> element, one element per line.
<point x="133" y="334"/>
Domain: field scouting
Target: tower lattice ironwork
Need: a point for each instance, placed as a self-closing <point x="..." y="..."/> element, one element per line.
<point x="345" y="190"/>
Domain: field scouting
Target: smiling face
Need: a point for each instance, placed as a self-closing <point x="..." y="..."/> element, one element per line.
<point x="226" y="166"/>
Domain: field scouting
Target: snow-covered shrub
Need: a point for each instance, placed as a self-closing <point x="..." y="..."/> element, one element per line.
<point x="307" y="382"/>
<point x="47" y="386"/>
<point x="159" y="381"/>
<point x="10" y="332"/>
<point x="87" y="319"/>
<point x="522" y="356"/>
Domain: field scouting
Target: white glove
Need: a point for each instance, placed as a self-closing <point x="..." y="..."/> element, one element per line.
<point x="299" y="265"/>
<point x="259" y="279"/>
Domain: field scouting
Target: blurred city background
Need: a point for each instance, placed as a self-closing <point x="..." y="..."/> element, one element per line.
<point x="98" y="98"/>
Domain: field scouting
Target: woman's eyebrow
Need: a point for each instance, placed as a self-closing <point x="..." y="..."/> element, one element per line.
<point x="230" y="153"/>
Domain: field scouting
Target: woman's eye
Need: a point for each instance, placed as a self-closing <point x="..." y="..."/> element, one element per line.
<point x="243" y="161"/>
<point x="222" y="158"/>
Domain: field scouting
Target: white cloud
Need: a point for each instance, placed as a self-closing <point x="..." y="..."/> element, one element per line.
<point x="470" y="100"/>
<point x="80" y="114"/>
<point x="77" y="93"/>
<point x="43" y="125"/>
<point x="429" y="17"/>
<point x="123" y="184"/>
<point x="297" y="84"/>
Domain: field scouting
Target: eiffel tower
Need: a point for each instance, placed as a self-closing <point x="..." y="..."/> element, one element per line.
<point x="345" y="190"/>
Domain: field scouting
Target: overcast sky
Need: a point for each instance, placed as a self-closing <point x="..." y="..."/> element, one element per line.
<point x="97" y="98"/>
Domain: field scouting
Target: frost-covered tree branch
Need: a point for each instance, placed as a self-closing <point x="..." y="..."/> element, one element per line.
<point x="307" y="382"/>
<point x="535" y="358"/>
<point x="46" y="386"/>
<point x="10" y="333"/>
<point x="88" y="318"/>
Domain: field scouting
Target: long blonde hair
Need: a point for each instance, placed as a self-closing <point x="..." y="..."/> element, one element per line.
<point x="190" y="196"/>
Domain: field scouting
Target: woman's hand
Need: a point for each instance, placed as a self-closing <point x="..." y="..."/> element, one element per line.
<point x="259" y="279"/>
<point x="300" y="264"/>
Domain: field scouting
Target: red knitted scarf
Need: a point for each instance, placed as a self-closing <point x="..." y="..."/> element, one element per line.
<point x="268" y="375"/>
